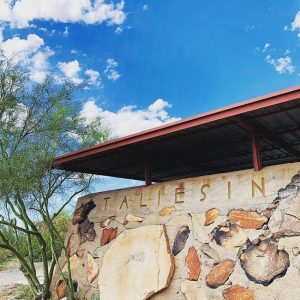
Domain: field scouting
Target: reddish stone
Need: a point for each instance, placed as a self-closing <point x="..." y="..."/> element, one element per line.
<point x="220" y="273"/>
<point x="70" y="244"/>
<point x="193" y="264"/>
<point x="61" y="289"/>
<point x="247" y="219"/>
<point x="108" y="235"/>
<point x="237" y="292"/>
<point x="211" y="215"/>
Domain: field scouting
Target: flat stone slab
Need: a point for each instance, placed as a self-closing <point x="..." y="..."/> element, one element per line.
<point x="137" y="265"/>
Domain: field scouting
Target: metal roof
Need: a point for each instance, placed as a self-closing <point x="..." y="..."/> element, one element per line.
<point x="259" y="132"/>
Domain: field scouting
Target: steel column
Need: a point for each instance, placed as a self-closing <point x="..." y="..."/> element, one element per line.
<point x="148" y="180"/>
<point x="256" y="152"/>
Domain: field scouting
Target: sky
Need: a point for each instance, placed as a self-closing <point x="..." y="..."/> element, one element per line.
<point x="147" y="63"/>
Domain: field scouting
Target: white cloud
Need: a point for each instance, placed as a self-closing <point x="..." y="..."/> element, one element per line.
<point x="145" y="7"/>
<point x="73" y="51"/>
<point x="295" y="26"/>
<point x="129" y="119"/>
<point x="266" y="46"/>
<point x="110" y="70"/>
<point x="30" y="53"/>
<point x="282" y="64"/>
<point x="71" y="71"/>
<point x="20" y="13"/>
<point x="94" y="77"/>
<point x="40" y="65"/>
<point x="119" y="30"/>
<point x="19" y="49"/>
<point x="66" y="31"/>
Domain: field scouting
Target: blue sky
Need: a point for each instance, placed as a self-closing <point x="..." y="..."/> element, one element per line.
<point x="151" y="62"/>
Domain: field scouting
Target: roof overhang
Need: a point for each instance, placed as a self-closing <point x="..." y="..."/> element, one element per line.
<point x="259" y="132"/>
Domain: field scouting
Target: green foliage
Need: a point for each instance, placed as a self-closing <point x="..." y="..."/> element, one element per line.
<point x="23" y="292"/>
<point x="37" y="123"/>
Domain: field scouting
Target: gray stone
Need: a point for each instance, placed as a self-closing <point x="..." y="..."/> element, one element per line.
<point x="210" y="252"/>
<point x="180" y="239"/>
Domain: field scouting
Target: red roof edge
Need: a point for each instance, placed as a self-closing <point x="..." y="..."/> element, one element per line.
<point x="214" y="115"/>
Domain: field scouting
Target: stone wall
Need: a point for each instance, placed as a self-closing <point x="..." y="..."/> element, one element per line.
<point x="228" y="236"/>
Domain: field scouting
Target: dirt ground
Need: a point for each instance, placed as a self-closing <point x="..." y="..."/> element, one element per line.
<point x="11" y="277"/>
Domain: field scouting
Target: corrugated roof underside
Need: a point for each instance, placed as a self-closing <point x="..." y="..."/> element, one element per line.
<point x="220" y="146"/>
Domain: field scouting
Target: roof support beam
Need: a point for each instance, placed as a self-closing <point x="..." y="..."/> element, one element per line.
<point x="256" y="152"/>
<point x="273" y="137"/>
<point x="148" y="180"/>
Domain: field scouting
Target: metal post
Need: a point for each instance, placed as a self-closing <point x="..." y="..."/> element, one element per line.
<point x="148" y="180"/>
<point x="255" y="152"/>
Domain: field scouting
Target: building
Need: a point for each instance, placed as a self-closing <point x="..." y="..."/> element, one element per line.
<point x="217" y="218"/>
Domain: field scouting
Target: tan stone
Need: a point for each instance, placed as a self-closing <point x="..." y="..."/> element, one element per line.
<point x="237" y="292"/>
<point x="247" y="219"/>
<point x="166" y="211"/>
<point x="191" y="291"/>
<point x="198" y="228"/>
<point x="80" y="253"/>
<point x="74" y="263"/>
<point x="104" y="223"/>
<point x="108" y="235"/>
<point x="285" y="220"/>
<point x="220" y="273"/>
<point x="263" y="263"/>
<point x="137" y="264"/>
<point x="70" y="244"/>
<point x="211" y="215"/>
<point x="92" y="270"/>
<point x="230" y="236"/>
<point x="193" y="264"/>
<point x="133" y="218"/>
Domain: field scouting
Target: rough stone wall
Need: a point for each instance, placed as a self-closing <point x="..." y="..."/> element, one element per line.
<point x="228" y="236"/>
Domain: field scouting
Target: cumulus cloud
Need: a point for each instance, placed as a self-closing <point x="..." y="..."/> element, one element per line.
<point x="282" y="64"/>
<point x="21" y="13"/>
<point x="145" y="7"/>
<point x="40" y="65"/>
<point x="20" y="50"/>
<point x="30" y="52"/>
<point x="71" y="71"/>
<point x="93" y="77"/>
<point x="129" y="119"/>
<point x="110" y="70"/>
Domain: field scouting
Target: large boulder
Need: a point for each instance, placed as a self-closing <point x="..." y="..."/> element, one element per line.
<point x="137" y="264"/>
<point x="263" y="262"/>
<point x="285" y="220"/>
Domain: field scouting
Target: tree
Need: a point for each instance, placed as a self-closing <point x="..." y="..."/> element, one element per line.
<point x="37" y="123"/>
